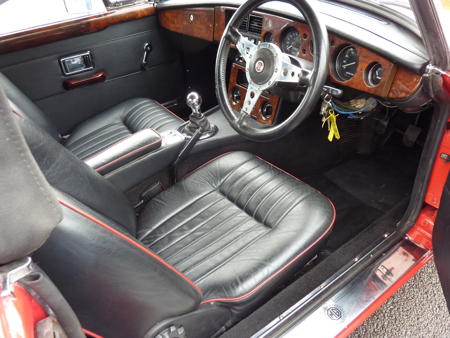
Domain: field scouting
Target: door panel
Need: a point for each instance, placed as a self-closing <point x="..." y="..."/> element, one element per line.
<point x="116" y="50"/>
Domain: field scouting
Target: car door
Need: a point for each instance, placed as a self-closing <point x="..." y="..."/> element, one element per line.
<point x="433" y="19"/>
<point x="77" y="68"/>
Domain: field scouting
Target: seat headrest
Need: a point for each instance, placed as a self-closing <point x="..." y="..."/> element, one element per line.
<point x="29" y="210"/>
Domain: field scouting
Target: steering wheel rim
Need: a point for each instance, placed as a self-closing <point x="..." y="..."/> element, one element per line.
<point x="242" y="122"/>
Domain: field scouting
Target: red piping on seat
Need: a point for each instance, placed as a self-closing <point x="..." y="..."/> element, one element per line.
<point x="128" y="154"/>
<point x="132" y="242"/>
<point x="92" y="334"/>
<point x="267" y="280"/>
<point x="168" y="110"/>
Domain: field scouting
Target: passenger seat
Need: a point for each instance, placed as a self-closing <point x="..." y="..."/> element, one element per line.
<point x="102" y="130"/>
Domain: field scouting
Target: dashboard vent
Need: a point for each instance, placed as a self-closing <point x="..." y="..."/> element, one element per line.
<point x="255" y="24"/>
<point x="244" y="24"/>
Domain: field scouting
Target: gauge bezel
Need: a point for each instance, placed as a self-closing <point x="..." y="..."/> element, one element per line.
<point x="272" y="37"/>
<point x="285" y="32"/>
<point x="337" y="72"/>
<point x="368" y="74"/>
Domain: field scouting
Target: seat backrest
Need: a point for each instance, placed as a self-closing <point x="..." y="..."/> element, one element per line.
<point x="67" y="173"/>
<point x="116" y="286"/>
<point x="23" y="106"/>
<point x="28" y="209"/>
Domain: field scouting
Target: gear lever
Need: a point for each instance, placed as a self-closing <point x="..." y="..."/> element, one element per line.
<point x="197" y="120"/>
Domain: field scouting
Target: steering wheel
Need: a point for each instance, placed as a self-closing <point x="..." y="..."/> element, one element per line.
<point x="267" y="68"/>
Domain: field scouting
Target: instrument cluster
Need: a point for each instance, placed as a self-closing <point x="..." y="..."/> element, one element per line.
<point x="345" y="65"/>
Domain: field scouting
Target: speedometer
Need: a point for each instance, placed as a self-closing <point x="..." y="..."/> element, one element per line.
<point x="346" y="63"/>
<point x="290" y="41"/>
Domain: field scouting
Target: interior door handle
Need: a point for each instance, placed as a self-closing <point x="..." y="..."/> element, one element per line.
<point x="147" y="50"/>
<point x="94" y="78"/>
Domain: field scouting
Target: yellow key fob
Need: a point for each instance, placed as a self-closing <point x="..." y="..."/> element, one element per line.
<point x="333" y="128"/>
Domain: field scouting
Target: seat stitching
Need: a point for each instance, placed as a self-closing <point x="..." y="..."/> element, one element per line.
<point x="132" y="119"/>
<point x="257" y="190"/>
<point x="224" y="221"/>
<point x="238" y="178"/>
<point x="102" y="129"/>
<point x="154" y="120"/>
<point x="95" y="135"/>
<point x="214" y="242"/>
<point x="277" y="202"/>
<point x="98" y="132"/>
<point x="130" y="110"/>
<point x="101" y="144"/>
<point x="138" y="114"/>
<point x="146" y="118"/>
<point x="232" y="172"/>
<point x="199" y="279"/>
<point x="231" y="185"/>
<point x="266" y="197"/>
<point x="192" y="230"/>
<point x="245" y="186"/>
<point x="300" y="200"/>
<point x="175" y="214"/>
<point x="137" y="110"/>
<point x="179" y="225"/>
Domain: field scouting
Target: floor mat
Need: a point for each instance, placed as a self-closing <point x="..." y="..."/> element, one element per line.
<point x="364" y="188"/>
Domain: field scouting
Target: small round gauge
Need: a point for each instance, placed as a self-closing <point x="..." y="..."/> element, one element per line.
<point x="374" y="74"/>
<point x="268" y="37"/>
<point x="290" y="41"/>
<point x="346" y="63"/>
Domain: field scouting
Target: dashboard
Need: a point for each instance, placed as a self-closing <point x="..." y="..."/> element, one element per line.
<point x="351" y="65"/>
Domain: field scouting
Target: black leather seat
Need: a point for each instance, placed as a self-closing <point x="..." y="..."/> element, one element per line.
<point x="102" y="130"/>
<point x="235" y="224"/>
<point x="201" y="255"/>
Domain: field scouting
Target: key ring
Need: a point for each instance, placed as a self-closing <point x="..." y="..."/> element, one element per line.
<point x="327" y="99"/>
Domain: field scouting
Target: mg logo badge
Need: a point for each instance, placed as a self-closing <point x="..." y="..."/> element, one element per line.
<point x="259" y="66"/>
<point x="334" y="313"/>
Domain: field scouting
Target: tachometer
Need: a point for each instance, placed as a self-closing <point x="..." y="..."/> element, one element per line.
<point x="346" y="63"/>
<point x="290" y="41"/>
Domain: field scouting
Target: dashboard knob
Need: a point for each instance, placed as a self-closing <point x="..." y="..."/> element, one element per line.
<point x="266" y="110"/>
<point x="236" y="95"/>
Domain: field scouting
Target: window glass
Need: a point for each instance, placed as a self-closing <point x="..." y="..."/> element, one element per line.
<point x="18" y="15"/>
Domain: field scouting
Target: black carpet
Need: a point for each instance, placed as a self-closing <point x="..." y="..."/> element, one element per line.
<point x="364" y="188"/>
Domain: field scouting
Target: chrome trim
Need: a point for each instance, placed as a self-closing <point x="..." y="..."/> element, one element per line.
<point x="338" y="311"/>
<point x="85" y="69"/>
<point x="11" y="273"/>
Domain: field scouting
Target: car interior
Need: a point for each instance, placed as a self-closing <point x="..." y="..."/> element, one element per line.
<point x="214" y="163"/>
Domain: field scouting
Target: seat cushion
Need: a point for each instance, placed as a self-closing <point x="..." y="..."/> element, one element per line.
<point x="121" y="121"/>
<point x="236" y="224"/>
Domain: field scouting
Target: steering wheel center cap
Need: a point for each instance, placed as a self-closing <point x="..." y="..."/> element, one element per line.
<point x="263" y="65"/>
<point x="259" y="66"/>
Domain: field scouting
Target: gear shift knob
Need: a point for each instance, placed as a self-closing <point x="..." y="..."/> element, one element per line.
<point x="194" y="101"/>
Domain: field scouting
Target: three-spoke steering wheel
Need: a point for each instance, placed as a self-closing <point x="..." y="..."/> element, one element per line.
<point x="268" y="67"/>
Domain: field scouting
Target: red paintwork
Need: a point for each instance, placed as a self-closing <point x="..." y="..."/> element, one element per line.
<point x="446" y="80"/>
<point x="439" y="173"/>
<point x="421" y="232"/>
<point x="19" y="314"/>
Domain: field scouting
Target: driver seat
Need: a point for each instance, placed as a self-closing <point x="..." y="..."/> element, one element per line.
<point x="199" y="257"/>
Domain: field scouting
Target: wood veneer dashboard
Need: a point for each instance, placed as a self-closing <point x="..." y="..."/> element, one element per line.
<point x="397" y="82"/>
